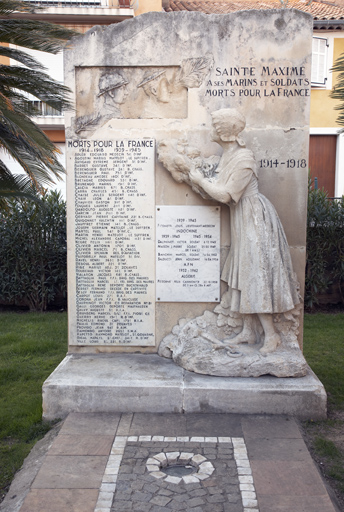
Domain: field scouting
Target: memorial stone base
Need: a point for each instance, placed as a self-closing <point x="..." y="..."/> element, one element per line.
<point x="149" y="383"/>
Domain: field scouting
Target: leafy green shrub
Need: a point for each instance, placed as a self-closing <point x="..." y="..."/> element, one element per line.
<point x="325" y="245"/>
<point x="33" y="251"/>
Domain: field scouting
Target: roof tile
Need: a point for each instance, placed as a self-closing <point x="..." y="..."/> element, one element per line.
<point x="319" y="10"/>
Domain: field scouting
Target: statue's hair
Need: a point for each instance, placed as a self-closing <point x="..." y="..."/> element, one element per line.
<point x="228" y="122"/>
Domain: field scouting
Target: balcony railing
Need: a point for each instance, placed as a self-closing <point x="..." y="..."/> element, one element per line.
<point x="115" y="4"/>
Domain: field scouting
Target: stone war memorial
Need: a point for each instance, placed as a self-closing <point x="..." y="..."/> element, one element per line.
<point x="187" y="170"/>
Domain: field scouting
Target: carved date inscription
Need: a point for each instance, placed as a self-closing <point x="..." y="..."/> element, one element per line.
<point x="290" y="163"/>
<point x="114" y="241"/>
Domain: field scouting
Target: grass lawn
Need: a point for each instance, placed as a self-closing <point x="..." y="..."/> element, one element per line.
<point x="323" y="347"/>
<point x="31" y="346"/>
<point x="324" y="352"/>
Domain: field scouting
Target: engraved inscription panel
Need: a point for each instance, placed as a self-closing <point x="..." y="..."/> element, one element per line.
<point x="188" y="253"/>
<point x="114" y="241"/>
<point x="280" y="80"/>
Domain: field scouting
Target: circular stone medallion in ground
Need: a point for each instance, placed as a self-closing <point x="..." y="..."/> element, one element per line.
<point x="176" y="467"/>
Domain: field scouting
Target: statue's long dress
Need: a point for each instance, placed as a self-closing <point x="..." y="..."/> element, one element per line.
<point x="258" y="268"/>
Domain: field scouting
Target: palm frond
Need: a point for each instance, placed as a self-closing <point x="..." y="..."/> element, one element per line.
<point x="20" y="56"/>
<point x="20" y="137"/>
<point x="337" y="92"/>
<point x="18" y="124"/>
<point x="31" y="148"/>
<point x="10" y="6"/>
<point x="42" y="36"/>
<point x="36" y="83"/>
<point x="15" y="186"/>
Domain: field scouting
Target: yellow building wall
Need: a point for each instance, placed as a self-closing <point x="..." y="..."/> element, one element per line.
<point x="148" y="6"/>
<point x="323" y="113"/>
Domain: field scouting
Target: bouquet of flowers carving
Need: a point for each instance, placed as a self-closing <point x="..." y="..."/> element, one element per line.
<point x="179" y="158"/>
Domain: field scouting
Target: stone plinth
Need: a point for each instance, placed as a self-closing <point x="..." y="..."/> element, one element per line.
<point x="149" y="383"/>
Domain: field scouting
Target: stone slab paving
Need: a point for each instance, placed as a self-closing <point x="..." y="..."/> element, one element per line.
<point x="117" y="463"/>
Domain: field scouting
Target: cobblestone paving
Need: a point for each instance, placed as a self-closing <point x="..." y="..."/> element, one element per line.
<point x="138" y="490"/>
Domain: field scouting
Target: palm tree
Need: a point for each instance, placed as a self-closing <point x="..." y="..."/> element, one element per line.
<point x="337" y="92"/>
<point x="20" y="137"/>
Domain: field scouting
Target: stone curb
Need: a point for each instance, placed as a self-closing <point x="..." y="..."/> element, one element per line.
<point x="24" y="478"/>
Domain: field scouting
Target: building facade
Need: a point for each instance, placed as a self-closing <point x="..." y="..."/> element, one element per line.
<point x="326" y="160"/>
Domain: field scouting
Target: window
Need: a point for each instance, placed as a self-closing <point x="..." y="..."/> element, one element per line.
<point x="319" y="61"/>
<point x="45" y="110"/>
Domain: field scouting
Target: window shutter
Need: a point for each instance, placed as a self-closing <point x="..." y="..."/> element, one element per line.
<point x="319" y="53"/>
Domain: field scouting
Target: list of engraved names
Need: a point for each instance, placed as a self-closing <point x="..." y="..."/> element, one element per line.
<point x="188" y="253"/>
<point x="114" y="241"/>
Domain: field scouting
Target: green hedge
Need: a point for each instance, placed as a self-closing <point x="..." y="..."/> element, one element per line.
<point x="325" y="245"/>
<point x="33" y="252"/>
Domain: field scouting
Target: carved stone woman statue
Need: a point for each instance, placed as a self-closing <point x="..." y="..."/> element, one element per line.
<point x="258" y="268"/>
